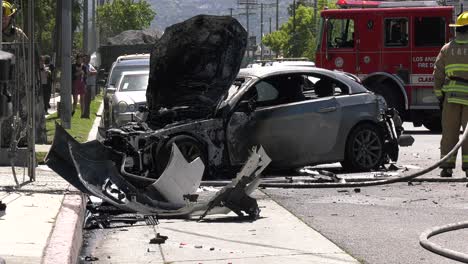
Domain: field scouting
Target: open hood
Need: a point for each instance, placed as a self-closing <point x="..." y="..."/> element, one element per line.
<point x="192" y="66"/>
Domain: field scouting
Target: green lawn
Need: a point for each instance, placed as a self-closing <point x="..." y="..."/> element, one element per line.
<point x="80" y="127"/>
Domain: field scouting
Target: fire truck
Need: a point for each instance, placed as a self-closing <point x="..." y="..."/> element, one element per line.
<point x="391" y="49"/>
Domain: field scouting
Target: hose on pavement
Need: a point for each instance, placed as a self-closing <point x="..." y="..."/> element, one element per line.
<point x="363" y="183"/>
<point x="448" y="253"/>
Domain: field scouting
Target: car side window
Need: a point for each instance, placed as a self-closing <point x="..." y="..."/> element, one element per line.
<point x="266" y="92"/>
<point x="317" y="86"/>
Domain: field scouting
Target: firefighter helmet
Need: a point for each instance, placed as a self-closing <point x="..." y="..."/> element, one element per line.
<point x="462" y="20"/>
<point x="8" y="8"/>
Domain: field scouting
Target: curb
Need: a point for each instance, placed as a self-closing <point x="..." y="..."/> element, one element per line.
<point x="66" y="238"/>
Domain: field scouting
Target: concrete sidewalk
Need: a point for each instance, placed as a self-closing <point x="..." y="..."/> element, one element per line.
<point x="33" y="212"/>
<point x="277" y="237"/>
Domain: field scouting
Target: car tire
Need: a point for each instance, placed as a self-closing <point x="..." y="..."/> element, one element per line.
<point x="190" y="148"/>
<point x="364" y="148"/>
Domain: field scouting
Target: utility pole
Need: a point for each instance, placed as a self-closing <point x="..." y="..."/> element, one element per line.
<point x="315" y="15"/>
<point x="248" y="5"/>
<point x="230" y="11"/>
<point x="270" y="25"/>
<point x="261" y="31"/>
<point x="294" y="16"/>
<point x="277" y="14"/>
<point x="31" y="98"/>
<point x="86" y="26"/>
<point x="66" y="64"/>
<point x="93" y="26"/>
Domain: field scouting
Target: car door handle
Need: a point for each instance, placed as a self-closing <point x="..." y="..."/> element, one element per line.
<point x="327" y="109"/>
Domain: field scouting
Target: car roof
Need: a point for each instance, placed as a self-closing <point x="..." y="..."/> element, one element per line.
<point x="133" y="57"/>
<point x="292" y="63"/>
<point x="262" y="72"/>
<point x="132" y="62"/>
<point x="134" y="72"/>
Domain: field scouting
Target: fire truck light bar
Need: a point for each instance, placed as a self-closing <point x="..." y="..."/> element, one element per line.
<point x="373" y="4"/>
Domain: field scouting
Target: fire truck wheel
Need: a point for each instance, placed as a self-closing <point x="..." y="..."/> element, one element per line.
<point x="433" y="124"/>
<point x="391" y="95"/>
<point x="364" y="148"/>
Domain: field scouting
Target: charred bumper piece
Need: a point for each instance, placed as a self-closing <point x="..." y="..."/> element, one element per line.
<point x="97" y="170"/>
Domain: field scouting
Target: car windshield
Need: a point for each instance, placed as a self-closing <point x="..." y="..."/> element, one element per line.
<point x="233" y="91"/>
<point x="134" y="82"/>
<point x="117" y="72"/>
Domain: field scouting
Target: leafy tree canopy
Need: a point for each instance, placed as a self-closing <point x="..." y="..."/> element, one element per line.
<point x="121" y="15"/>
<point x="297" y="37"/>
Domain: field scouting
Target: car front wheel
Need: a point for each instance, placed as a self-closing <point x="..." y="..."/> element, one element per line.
<point x="364" y="148"/>
<point x="188" y="146"/>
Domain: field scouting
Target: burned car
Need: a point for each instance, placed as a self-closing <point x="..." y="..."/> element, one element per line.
<point x="205" y="117"/>
<point x="300" y="115"/>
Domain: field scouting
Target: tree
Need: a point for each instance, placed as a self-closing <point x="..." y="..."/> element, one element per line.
<point x="121" y="15"/>
<point x="298" y="36"/>
<point x="45" y="11"/>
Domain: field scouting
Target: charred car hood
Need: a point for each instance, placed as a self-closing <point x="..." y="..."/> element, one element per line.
<point x="192" y="66"/>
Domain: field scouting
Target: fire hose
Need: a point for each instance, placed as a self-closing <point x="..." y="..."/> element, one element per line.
<point x="266" y="184"/>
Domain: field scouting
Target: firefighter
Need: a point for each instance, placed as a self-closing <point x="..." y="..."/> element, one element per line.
<point x="451" y="88"/>
<point x="15" y="41"/>
<point x="11" y="33"/>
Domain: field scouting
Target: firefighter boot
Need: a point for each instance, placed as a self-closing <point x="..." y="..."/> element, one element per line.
<point x="446" y="172"/>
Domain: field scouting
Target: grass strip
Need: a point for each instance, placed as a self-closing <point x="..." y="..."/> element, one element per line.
<point x="80" y="127"/>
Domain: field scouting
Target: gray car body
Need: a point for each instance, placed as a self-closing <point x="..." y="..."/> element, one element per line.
<point x="308" y="132"/>
<point x="305" y="132"/>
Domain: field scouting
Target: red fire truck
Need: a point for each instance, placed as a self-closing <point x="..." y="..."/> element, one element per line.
<point x="392" y="50"/>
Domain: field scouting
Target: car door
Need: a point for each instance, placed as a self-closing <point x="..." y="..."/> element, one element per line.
<point x="292" y="133"/>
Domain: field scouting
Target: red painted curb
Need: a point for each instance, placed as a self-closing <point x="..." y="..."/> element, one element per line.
<point x="65" y="241"/>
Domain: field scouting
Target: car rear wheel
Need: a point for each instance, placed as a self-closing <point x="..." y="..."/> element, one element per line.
<point x="364" y="148"/>
<point x="190" y="148"/>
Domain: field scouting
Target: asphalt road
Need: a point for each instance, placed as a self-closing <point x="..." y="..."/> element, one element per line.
<point x="382" y="224"/>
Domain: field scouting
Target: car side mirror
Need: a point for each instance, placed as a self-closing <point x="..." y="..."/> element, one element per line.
<point x="246" y="106"/>
<point x="111" y="90"/>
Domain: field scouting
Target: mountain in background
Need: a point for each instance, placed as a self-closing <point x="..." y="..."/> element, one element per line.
<point x="170" y="12"/>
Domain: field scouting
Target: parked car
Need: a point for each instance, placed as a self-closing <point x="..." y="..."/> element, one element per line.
<point x="300" y="115"/>
<point x="135" y="62"/>
<point x="128" y="96"/>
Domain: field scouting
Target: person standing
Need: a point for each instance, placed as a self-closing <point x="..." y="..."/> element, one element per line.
<point x="78" y="83"/>
<point x="451" y="88"/>
<point x="90" y="85"/>
<point x="46" y="82"/>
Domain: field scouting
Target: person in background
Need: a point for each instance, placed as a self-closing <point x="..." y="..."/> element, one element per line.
<point x="46" y="82"/>
<point x="451" y="88"/>
<point x="78" y="83"/>
<point x="90" y="85"/>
